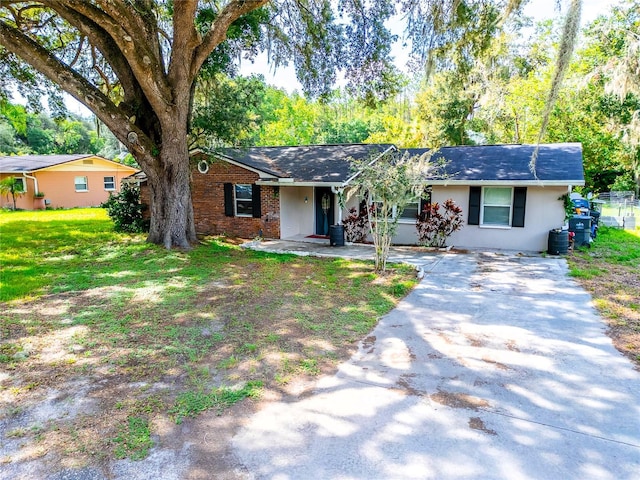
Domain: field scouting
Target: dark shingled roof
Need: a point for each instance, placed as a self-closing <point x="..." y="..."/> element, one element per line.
<point x="557" y="162"/>
<point x="30" y="163"/>
<point x="313" y="163"/>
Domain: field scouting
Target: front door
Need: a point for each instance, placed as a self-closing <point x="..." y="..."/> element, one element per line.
<point x="324" y="210"/>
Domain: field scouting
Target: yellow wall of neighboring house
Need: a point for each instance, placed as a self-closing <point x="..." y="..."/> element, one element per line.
<point x="63" y="184"/>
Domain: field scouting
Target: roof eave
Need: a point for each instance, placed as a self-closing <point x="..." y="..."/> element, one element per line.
<point x="286" y="182"/>
<point x="262" y="173"/>
<point x="517" y="183"/>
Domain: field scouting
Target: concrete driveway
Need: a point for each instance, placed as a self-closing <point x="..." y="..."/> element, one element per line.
<point x="495" y="367"/>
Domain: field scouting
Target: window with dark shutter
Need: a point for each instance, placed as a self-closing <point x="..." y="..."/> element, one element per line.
<point x="519" y="204"/>
<point x="255" y="199"/>
<point x="475" y="194"/>
<point x="228" y="199"/>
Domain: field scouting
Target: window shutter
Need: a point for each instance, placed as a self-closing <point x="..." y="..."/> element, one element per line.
<point x="474" y="205"/>
<point x="228" y="199"/>
<point x="256" y="204"/>
<point x="519" y="203"/>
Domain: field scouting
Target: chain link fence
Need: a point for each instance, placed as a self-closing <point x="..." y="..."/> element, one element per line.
<point x="619" y="209"/>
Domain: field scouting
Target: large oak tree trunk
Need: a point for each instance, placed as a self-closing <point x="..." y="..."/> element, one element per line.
<point x="169" y="180"/>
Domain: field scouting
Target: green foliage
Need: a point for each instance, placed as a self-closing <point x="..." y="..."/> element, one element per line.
<point x="22" y="132"/>
<point x="226" y="111"/>
<point x="134" y="439"/>
<point x="143" y="314"/>
<point x="125" y="210"/>
<point x="434" y="227"/>
<point x="289" y="119"/>
<point x="73" y="137"/>
<point x="389" y="183"/>
<point x="11" y="186"/>
<point x="567" y="204"/>
<point x="16" y="115"/>
<point x="192" y="403"/>
<point x="624" y="183"/>
<point x="8" y="143"/>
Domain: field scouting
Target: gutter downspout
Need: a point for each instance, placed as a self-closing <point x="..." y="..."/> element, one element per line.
<point x="339" y="191"/>
<point x="35" y="181"/>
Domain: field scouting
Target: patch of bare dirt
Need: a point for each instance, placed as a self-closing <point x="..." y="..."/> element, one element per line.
<point x="476" y="423"/>
<point x="511" y="345"/>
<point x="459" y="400"/>
<point x="72" y="380"/>
<point x="496" y="364"/>
<point x="405" y="384"/>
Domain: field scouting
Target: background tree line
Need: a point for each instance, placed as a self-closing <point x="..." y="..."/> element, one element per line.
<point x="496" y="97"/>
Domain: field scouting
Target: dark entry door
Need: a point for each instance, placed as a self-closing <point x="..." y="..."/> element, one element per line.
<point x="324" y="210"/>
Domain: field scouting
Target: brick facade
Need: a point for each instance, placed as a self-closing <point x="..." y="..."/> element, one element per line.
<point x="207" y="191"/>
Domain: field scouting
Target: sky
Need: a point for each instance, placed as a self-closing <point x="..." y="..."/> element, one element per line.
<point x="286" y="78"/>
<point x="538" y="9"/>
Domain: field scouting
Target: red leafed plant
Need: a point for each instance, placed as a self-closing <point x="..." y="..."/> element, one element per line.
<point x="434" y="227"/>
<point x="356" y="225"/>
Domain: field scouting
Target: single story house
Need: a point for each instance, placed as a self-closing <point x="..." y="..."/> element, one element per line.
<point x="292" y="192"/>
<point x="66" y="180"/>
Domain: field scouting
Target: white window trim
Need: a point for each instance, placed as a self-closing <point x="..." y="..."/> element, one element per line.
<point x="394" y="213"/>
<point x="86" y="182"/>
<point x="408" y="220"/>
<point x="24" y="183"/>
<point x="494" y="225"/>
<point x="104" y="182"/>
<point x="236" y="200"/>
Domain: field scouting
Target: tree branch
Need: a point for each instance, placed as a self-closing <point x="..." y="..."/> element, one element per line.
<point x="111" y="53"/>
<point x="74" y="84"/>
<point x="145" y="65"/>
<point x="218" y="31"/>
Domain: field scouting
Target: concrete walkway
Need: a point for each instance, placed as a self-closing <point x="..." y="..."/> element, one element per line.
<point x="495" y="367"/>
<point x="421" y="258"/>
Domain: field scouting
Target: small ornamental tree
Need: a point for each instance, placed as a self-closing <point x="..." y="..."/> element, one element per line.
<point x="388" y="184"/>
<point x="434" y="227"/>
<point x="11" y="186"/>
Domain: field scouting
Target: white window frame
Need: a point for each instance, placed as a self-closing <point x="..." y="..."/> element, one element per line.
<point x="402" y="218"/>
<point x="85" y="183"/>
<point x="394" y="211"/>
<point x="112" y="182"/>
<point x="243" y="200"/>
<point x="483" y="205"/>
<point x="24" y="183"/>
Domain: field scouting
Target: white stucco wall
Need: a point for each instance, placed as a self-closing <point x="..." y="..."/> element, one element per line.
<point x="543" y="212"/>
<point x="296" y="216"/>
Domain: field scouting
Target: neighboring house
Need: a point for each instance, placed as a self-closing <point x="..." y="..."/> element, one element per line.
<point x="66" y="180"/>
<point x="291" y="192"/>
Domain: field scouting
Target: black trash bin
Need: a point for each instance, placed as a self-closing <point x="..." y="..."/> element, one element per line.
<point x="581" y="226"/>
<point x="336" y="235"/>
<point x="558" y="242"/>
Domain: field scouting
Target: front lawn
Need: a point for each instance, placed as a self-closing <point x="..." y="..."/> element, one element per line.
<point x="610" y="271"/>
<point x="137" y="336"/>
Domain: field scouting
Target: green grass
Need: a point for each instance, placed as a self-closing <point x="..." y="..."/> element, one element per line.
<point x="191" y="403"/>
<point x="62" y="250"/>
<point x="613" y="247"/>
<point x="121" y="312"/>
<point x="134" y="439"/>
<point x="610" y="270"/>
